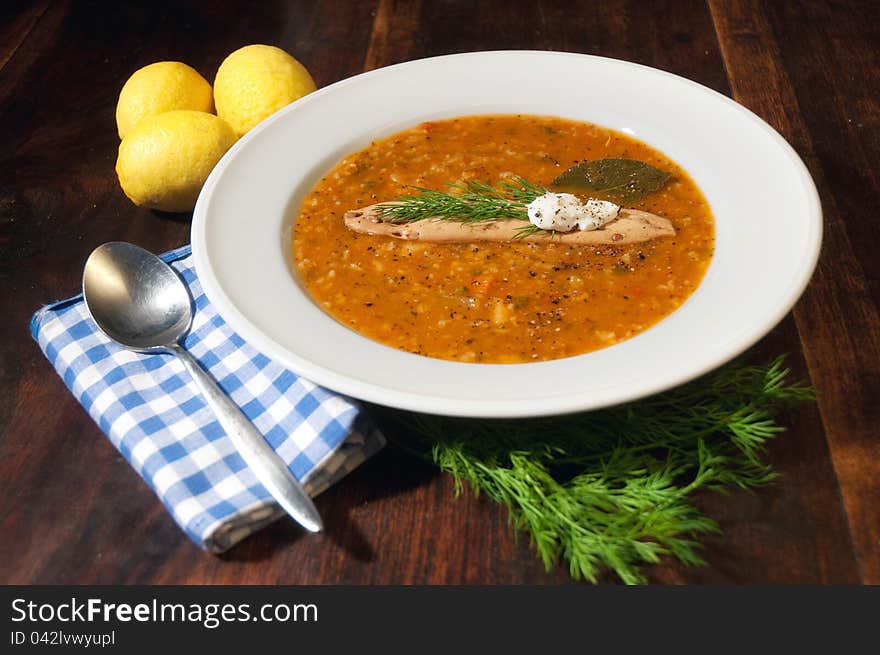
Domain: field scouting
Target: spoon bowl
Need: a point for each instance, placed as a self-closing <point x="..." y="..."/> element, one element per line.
<point x="134" y="297"/>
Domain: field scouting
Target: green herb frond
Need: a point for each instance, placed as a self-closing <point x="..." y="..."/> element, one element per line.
<point x="468" y="202"/>
<point x="613" y="489"/>
<point x="529" y="230"/>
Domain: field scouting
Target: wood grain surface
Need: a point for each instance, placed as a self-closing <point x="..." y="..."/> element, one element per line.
<point x="73" y="511"/>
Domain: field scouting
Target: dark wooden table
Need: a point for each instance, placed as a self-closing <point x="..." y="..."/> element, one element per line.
<point x="73" y="511"/>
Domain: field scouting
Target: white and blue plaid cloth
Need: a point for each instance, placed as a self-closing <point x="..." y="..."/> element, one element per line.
<point x="153" y="413"/>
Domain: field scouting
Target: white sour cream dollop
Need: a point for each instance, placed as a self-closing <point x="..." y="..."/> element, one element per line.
<point x="564" y="211"/>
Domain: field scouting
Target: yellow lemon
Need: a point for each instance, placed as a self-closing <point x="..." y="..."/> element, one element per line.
<point x="160" y="87"/>
<point x="256" y="81"/>
<point x="164" y="161"/>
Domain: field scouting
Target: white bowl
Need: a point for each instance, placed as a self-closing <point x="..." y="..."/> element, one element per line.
<point x="767" y="212"/>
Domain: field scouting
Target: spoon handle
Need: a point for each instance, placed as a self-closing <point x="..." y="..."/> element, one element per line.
<point x="270" y="470"/>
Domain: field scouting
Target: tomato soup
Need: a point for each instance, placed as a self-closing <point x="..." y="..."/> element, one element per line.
<point x="496" y="302"/>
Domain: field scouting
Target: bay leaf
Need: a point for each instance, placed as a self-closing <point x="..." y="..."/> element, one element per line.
<point x="620" y="180"/>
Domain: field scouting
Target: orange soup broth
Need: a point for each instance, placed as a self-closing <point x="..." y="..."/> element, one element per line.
<point x="495" y="302"/>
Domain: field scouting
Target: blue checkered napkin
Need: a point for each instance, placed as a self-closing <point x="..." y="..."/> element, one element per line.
<point x="152" y="412"/>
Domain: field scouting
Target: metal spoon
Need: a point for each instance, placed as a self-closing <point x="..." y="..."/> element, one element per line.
<point x="139" y="301"/>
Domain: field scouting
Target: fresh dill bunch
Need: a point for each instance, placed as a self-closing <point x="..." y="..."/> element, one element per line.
<point x="613" y="489"/>
<point x="468" y="202"/>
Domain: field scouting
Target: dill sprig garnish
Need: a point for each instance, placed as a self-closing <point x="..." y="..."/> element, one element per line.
<point x="530" y="229"/>
<point x="468" y="202"/>
<point x="613" y="489"/>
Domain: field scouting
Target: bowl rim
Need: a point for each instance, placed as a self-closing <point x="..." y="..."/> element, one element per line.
<point x="433" y="403"/>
